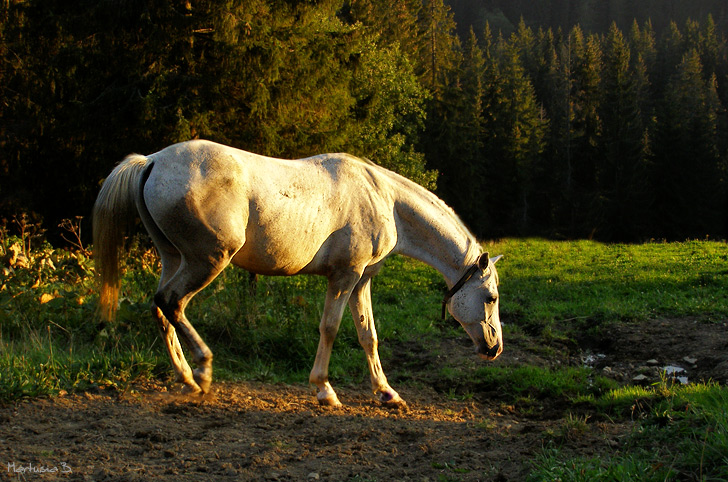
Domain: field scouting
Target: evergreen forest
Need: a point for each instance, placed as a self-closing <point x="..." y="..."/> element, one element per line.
<point x="566" y="119"/>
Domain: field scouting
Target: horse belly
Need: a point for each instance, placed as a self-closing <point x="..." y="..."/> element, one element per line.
<point x="304" y="244"/>
<point x="282" y="245"/>
<point x="271" y="258"/>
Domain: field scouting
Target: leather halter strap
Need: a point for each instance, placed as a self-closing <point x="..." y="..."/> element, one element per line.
<point x="456" y="287"/>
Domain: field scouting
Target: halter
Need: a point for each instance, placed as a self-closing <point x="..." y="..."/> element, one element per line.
<point x="456" y="287"/>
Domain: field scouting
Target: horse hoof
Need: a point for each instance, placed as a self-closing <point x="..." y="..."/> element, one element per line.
<point x="391" y="399"/>
<point x="329" y="400"/>
<point x="396" y="404"/>
<point x="191" y="389"/>
<point x="203" y="381"/>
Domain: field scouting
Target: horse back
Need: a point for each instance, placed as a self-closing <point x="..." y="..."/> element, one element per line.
<point x="273" y="216"/>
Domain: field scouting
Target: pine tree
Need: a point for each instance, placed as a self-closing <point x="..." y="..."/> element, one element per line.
<point x="688" y="170"/>
<point x="552" y="81"/>
<point x="467" y="174"/>
<point x="712" y="50"/>
<point x="514" y="132"/>
<point x="393" y="23"/>
<point x="439" y="46"/>
<point x="621" y="173"/>
<point x="389" y="113"/>
<point x="586" y="129"/>
<point x="669" y="56"/>
<point x="643" y="44"/>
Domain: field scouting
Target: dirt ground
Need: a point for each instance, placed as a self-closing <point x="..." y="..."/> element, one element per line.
<point x="255" y="431"/>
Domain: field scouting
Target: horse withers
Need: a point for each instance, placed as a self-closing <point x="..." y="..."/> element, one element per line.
<point x="206" y="206"/>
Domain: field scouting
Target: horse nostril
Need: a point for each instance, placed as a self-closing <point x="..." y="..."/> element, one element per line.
<point x="489" y="353"/>
<point x="493" y="352"/>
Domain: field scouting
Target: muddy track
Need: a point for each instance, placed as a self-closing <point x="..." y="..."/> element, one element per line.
<point x="254" y="431"/>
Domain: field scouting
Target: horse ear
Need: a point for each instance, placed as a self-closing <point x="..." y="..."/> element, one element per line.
<point x="483" y="261"/>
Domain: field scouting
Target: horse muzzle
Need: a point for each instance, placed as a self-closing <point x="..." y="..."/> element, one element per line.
<point x="489" y="353"/>
<point x="490" y="346"/>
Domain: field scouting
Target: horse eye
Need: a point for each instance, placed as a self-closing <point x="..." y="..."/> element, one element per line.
<point x="491" y="299"/>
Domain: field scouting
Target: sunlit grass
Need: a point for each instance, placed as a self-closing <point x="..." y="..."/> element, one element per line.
<point x="271" y="333"/>
<point x="682" y="434"/>
<point x="545" y="283"/>
<point x="47" y="368"/>
<point x="50" y="340"/>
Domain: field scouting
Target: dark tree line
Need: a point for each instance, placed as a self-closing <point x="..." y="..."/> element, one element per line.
<point x="620" y="136"/>
<point x="592" y="15"/>
<point x="87" y="82"/>
<point x="551" y="131"/>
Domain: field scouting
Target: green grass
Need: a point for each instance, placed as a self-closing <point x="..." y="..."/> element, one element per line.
<point x="548" y="289"/>
<point x="50" y="340"/>
<point x="546" y="284"/>
<point x="682" y="434"/>
<point x="49" y="337"/>
<point x="44" y="370"/>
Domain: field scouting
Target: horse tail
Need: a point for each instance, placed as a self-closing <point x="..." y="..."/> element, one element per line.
<point x="114" y="214"/>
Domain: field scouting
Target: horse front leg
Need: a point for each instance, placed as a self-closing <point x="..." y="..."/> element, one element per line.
<point x="337" y="294"/>
<point x="360" y="305"/>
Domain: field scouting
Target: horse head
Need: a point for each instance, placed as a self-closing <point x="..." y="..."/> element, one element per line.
<point x="473" y="302"/>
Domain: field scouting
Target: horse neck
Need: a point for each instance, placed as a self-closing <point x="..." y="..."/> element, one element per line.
<point x="431" y="232"/>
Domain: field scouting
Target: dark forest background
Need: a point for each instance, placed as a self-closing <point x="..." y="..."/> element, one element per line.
<point x="560" y="118"/>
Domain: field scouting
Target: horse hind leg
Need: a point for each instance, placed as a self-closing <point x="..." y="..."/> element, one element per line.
<point x="172" y="299"/>
<point x="170" y="265"/>
<point x="181" y="368"/>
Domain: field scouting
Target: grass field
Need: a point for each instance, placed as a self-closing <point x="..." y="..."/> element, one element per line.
<point x="551" y="294"/>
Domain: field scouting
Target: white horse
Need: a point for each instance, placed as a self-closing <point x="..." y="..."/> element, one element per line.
<point x="206" y="205"/>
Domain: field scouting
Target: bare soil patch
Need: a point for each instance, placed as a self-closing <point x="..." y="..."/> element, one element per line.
<point x="255" y="431"/>
<point x="639" y="352"/>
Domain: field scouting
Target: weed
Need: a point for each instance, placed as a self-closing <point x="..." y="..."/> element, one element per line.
<point x="487" y="424"/>
<point x="28" y="231"/>
<point x="550" y="467"/>
<point x="573" y="427"/>
<point x="72" y="233"/>
<point x="449" y="466"/>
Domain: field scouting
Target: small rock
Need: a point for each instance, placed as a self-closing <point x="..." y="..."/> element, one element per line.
<point x="313" y="476"/>
<point x="639" y="378"/>
<point x="652" y="362"/>
<point x="690" y="360"/>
